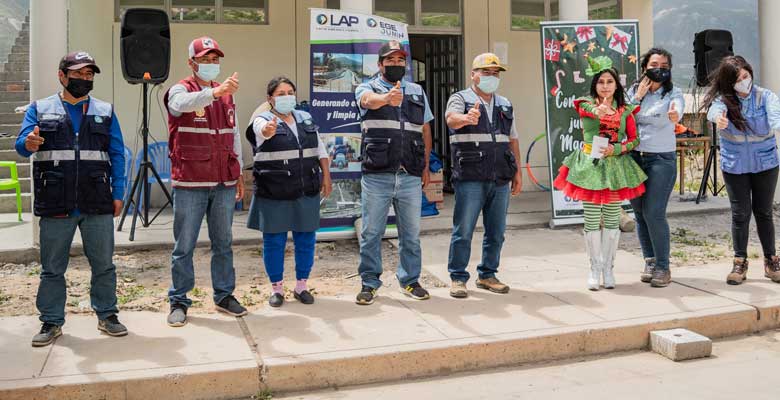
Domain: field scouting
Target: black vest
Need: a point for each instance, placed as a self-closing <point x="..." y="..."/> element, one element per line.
<point x="72" y="172"/>
<point x="392" y="136"/>
<point x="481" y="152"/>
<point x="286" y="168"/>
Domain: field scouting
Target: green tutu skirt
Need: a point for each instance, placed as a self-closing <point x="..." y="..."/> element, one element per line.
<point x="614" y="178"/>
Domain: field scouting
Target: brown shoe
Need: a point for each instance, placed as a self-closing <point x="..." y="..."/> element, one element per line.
<point x="739" y="272"/>
<point x="661" y="278"/>
<point x="458" y="290"/>
<point x="647" y="274"/>
<point x="492" y="284"/>
<point x="772" y="268"/>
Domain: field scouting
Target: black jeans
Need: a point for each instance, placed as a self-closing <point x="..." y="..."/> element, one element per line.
<point x="752" y="192"/>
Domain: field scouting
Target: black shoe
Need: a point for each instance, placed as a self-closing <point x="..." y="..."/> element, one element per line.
<point x="46" y="336"/>
<point x="366" y="296"/>
<point x="178" y="316"/>
<point x="661" y="278"/>
<point x="230" y="306"/>
<point x="111" y="326"/>
<point x="276" y="300"/>
<point x="304" y="297"/>
<point x="416" y="292"/>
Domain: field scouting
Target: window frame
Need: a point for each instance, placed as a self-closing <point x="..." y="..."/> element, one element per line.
<point x="416" y="26"/>
<point x="548" y="13"/>
<point x="219" y="13"/>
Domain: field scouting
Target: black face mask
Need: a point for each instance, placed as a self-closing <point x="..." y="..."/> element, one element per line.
<point x="659" y="75"/>
<point x="394" y="73"/>
<point x="79" y="87"/>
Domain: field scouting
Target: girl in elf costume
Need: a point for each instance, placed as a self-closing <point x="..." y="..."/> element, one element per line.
<point x="603" y="183"/>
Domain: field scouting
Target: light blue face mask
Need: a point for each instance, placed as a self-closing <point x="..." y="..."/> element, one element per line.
<point x="488" y="84"/>
<point x="208" y="72"/>
<point x="284" y="104"/>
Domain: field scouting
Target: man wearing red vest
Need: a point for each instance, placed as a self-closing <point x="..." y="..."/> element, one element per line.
<point x="206" y="164"/>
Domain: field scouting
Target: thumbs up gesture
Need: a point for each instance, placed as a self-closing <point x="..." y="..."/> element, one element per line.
<point x="269" y="130"/>
<point x="394" y="96"/>
<point x="228" y="87"/>
<point x="603" y="108"/>
<point x="34" y="140"/>
<point x="723" y="121"/>
<point x="673" y="114"/>
<point x="472" y="117"/>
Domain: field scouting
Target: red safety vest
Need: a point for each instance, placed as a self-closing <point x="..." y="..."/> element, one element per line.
<point x="200" y="143"/>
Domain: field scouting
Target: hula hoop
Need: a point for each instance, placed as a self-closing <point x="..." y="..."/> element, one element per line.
<point x="528" y="165"/>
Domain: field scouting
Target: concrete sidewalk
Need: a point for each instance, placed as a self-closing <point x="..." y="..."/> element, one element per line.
<point x="548" y="315"/>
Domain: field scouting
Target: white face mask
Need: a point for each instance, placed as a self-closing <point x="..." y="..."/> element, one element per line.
<point x="744" y="85"/>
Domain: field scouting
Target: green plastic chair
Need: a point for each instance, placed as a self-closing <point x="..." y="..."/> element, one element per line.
<point x="13" y="183"/>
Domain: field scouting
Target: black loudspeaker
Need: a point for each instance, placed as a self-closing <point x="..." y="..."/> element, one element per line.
<point x="709" y="48"/>
<point x="145" y="45"/>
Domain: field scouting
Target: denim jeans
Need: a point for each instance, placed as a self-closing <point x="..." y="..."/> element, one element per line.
<point x="189" y="207"/>
<point x="471" y="198"/>
<point x="404" y="192"/>
<point x="273" y="254"/>
<point x="56" y="236"/>
<point x="652" y="227"/>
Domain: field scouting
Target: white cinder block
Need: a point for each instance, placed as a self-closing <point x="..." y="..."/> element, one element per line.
<point x="680" y="344"/>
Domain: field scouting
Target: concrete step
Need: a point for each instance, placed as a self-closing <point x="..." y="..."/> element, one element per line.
<point x="14" y="76"/>
<point x="10" y="129"/>
<point x="10" y="106"/>
<point x="21" y="56"/>
<point x="7" y="141"/>
<point x="6" y="96"/>
<point x="11" y="118"/>
<point x="23" y="169"/>
<point x="24" y="182"/>
<point x="18" y="86"/>
<point x="22" y="41"/>
<point x="12" y="155"/>
<point x="18" y="66"/>
<point x="20" y="49"/>
<point x="8" y="202"/>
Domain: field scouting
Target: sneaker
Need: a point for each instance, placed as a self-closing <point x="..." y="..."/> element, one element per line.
<point x="772" y="268"/>
<point x="661" y="278"/>
<point x="46" y="336"/>
<point x="230" y="306"/>
<point x="366" y="296"/>
<point x="458" y="290"/>
<point x="304" y="297"/>
<point x="276" y="300"/>
<point x="178" y="316"/>
<point x="111" y="326"/>
<point x="738" y="272"/>
<point x="416" y="292"/>
<point x="492" y="284"/>
<point x="647" y="274"/>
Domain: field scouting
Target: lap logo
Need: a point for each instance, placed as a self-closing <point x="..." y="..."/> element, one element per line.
<point x="371" y="23"/>
<point x="347" y="20"/>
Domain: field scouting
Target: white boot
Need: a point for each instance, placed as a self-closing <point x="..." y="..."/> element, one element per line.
<point x="593" y="248"/>
<point x="609" y="243"/>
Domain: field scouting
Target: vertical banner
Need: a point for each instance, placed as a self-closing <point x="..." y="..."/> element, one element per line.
<point x="344" y="47"/>
<point x="564" y="48"/>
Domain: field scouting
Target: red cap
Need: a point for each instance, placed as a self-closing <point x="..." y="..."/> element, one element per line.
<point x="203" y="45"/>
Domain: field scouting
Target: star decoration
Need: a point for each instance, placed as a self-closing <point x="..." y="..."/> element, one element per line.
<point x="569" y="47"/>
<point x="610" y="28"/>
<point x="632" y="59"/>
<point x="591" y="46"/>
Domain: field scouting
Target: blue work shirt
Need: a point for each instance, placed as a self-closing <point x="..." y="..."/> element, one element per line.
<point x="116" y="146"/>
<point x="367" y="88"/>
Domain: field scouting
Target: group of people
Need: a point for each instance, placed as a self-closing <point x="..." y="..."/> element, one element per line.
<point x="76" y="147"/>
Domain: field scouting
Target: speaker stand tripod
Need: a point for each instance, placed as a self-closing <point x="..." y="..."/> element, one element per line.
<point x="711" y="166"/>
<point x="142" y="177"/>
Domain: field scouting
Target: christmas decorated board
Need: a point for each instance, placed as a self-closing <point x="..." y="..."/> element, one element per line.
<point x="565" y="46"/>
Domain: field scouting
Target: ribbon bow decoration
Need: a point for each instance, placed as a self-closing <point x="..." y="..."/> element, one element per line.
<point x="618" y="39"/>
<point x="584" y="32"/>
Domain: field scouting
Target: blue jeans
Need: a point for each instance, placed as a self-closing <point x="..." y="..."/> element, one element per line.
<point x="471" y="198"/>
<point x="273" y="254"/>
<point x="652" y="227"/>
<point x="56" y="236"/>
<point x="404" y="191"/>
<point x="189" y="207"/>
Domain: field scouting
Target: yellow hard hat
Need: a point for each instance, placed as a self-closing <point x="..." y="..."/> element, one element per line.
<point x="487" y="60"/>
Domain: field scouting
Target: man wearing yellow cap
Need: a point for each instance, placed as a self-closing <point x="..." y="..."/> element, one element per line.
<point x="485" y="159"/>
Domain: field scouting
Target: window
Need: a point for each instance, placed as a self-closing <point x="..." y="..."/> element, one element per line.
<point x="398" y="10"/>
<point x="333" y="4"/>
<point x="440" y="13"/>
<point x="527" y="14"/>
<point x="203" y="11"/>
<point x="604" y="9"/>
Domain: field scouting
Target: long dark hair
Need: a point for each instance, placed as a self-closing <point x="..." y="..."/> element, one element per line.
<point x="645" y="59"/>
<point x="275" y="82"/>
<point x="619" y="95"/>
<point x="722" y="81"/>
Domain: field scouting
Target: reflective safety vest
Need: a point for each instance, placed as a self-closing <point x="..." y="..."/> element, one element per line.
<point x="754" y="150"/>
<point x="200" y="143"/>
<point x="72" y="171"/>
<point x="481" y="152"/>
<point x="286" y="167"/>
<point x="392" y="136"/>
